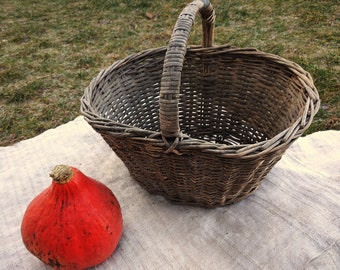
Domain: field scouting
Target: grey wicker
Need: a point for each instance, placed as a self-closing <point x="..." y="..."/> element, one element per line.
<point x="200" y="125"/>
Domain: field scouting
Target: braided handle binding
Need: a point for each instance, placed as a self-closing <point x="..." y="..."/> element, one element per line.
<point x="173" y="64"/>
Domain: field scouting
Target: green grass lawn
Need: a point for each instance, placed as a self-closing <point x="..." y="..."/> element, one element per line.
<point x="51" y="49"/>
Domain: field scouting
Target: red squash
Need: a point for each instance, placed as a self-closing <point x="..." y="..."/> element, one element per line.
<point x="75" y="223"/>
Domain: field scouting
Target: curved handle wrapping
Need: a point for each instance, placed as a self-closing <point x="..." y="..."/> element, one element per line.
<point x="173" y="63"/>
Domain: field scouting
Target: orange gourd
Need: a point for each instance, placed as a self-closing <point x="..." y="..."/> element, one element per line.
<point x="75" y="223"/>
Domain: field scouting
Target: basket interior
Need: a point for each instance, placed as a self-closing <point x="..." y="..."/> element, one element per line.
<point x="239" y="99"/>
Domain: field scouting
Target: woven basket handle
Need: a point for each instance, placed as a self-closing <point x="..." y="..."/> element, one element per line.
<point x="173" y="64"/>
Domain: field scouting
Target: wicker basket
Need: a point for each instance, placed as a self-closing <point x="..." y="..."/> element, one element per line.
<point x="200" y="125"/>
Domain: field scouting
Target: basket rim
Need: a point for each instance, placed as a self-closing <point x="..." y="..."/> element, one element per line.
<point x="285" y="137"/>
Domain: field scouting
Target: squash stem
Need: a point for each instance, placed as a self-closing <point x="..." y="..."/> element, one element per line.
<point x="62" y="174"/>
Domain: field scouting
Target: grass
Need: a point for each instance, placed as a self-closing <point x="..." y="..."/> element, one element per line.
<point x="51" y="49"/>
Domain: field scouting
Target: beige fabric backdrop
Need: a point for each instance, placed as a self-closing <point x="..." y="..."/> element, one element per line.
<point x="291" y="222"/>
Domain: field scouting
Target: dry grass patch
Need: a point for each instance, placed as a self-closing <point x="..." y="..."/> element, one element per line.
<point x="50" y="50"/>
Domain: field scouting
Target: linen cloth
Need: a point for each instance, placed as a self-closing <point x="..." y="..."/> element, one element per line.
<point x="291" y="222"/>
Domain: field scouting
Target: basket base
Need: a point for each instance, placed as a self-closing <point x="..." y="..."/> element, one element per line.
<point x="194" y="178"/>
<point x="195" y="203"/>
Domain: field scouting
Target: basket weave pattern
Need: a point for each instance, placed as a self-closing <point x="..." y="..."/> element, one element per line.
<point x="200" y="125"/>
